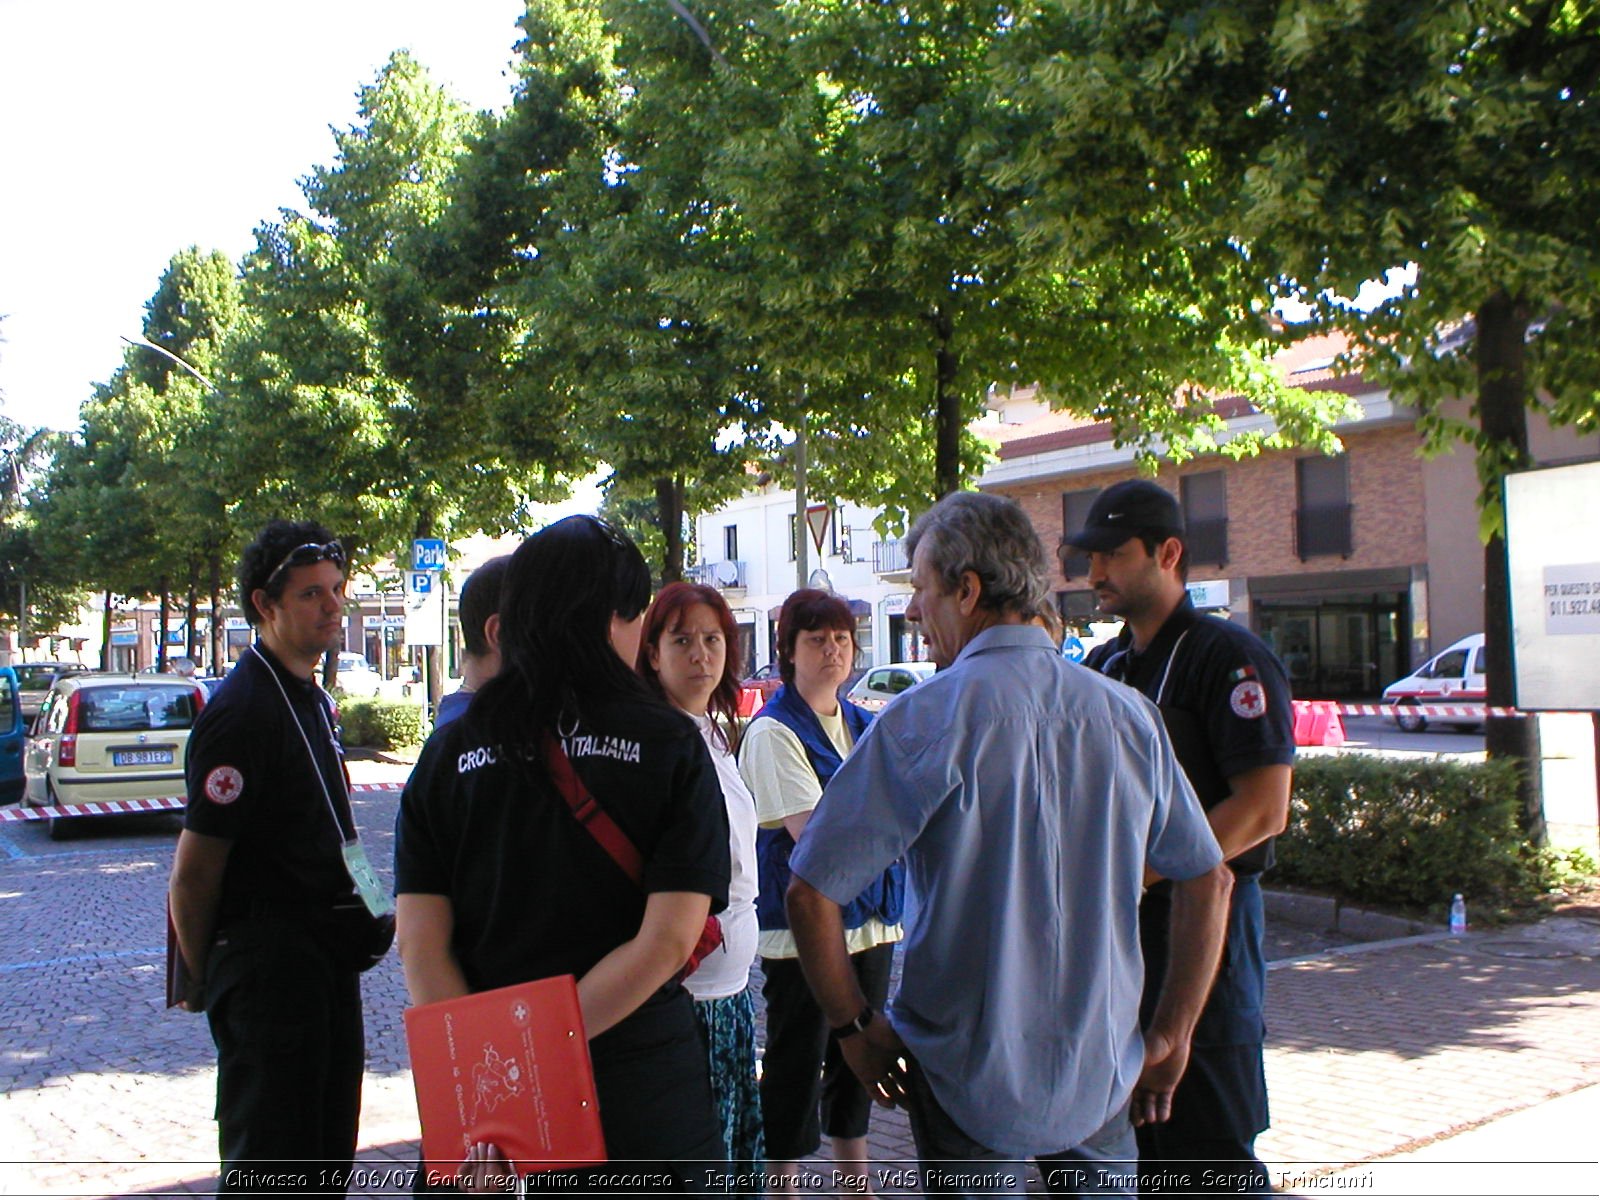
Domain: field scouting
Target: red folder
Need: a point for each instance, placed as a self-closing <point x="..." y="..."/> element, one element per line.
<point x="510" y="1067"/>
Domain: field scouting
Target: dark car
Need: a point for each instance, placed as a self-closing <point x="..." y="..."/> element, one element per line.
<point x="34" y="680"/>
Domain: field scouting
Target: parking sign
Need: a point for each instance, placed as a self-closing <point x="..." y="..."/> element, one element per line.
<point x="428" y="554"/>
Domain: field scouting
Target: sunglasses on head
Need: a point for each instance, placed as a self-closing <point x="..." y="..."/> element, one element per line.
<point x="304" y="556"/>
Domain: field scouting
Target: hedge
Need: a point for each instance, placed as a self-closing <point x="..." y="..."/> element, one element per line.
<point x="380" y="724"/>
<point x="1409" y="833"/>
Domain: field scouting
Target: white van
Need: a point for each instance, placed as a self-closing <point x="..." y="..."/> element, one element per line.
<point x="1454" y="676"/>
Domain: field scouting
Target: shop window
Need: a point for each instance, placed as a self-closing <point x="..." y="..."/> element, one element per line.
<point x="1204" y="496"/>
<point x="1322" y="518"/>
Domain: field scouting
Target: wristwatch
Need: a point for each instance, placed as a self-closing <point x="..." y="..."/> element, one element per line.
<point x="863" y="1019"/>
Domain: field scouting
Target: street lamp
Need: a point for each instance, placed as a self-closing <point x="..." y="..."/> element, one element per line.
<point x="146" y="344"/>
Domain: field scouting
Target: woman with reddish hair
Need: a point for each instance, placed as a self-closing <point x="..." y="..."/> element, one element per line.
<point x="790" y="751"/>
<point x="689" y="653"/>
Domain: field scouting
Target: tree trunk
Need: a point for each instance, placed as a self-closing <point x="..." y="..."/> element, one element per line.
<point x="1503" y="419"/>
<point x="669" y="516"/>
<point x="801" y="576"/>
<point x="161" y="628"/>
<point x="219" y="642"/>
<point x="105" y="634"/>
<point x="192" y="615"/>
<point x="946" y="411"/>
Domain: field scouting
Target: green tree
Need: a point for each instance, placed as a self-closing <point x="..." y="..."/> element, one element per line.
<point x="195" y="309"/>
<point x="35" y="592"/>
<point x="1330" y="142"/>
<point x="361" y="367"/>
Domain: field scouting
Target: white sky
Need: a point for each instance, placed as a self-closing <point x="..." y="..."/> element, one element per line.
<point x="131" y="129"/>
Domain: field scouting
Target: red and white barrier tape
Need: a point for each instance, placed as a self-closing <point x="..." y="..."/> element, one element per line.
<point x="1439" y="711"/>
<point x="112" y="808"/>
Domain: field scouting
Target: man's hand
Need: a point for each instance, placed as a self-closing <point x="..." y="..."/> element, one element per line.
<point x="1164" y="1061"/>
<point x="877" y="1056"/>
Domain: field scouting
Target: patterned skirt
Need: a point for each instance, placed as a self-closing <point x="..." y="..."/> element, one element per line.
<point x="728" y="1031"/>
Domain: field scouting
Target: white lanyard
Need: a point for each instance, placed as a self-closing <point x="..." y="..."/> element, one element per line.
<point x="351" y="852"/>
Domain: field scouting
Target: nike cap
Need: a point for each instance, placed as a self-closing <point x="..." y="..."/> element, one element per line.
<point x="1132" y="508"/>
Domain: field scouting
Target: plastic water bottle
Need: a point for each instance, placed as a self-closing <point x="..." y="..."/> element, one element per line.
<point x="1458" y="915"/>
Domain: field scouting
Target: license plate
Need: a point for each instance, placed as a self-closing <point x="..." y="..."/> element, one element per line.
<point x="157" y="757"/>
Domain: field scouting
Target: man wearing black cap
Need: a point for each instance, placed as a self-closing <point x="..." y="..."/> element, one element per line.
<point x="1225" y="699"/>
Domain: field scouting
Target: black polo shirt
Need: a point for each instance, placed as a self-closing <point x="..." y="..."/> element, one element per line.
<point x="265" y="770"/>
<point x="531" y="891"/>
<point x="1224" y="695"/>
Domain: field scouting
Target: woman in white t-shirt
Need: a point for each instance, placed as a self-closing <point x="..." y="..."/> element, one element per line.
<point x="689" y="652"/>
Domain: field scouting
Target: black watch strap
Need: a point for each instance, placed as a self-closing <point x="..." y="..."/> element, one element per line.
<point x="863" y="1019"/>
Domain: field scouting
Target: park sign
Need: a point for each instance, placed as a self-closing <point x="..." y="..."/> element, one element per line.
<point x="428" y="554"/>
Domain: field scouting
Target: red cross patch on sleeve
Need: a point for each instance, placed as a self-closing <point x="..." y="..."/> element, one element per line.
<point x="223" y="785"/>
<point x="1248" y="700"/>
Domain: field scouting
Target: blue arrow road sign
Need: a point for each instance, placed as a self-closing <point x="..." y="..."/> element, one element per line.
<point x="428" y="554"/>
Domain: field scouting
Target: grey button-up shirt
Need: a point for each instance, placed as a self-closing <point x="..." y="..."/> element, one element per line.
<point x="1027" y="794"/>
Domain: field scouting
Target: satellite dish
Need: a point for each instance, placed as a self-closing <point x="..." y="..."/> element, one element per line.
<point x="819" y="579"/>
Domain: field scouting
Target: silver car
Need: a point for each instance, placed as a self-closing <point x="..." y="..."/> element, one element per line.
<point x="882" y="684"/>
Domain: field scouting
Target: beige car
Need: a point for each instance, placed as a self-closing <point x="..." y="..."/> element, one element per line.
<point x="110" y="737"/>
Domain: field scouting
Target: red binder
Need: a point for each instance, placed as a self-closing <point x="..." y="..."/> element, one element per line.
<point x="509" y="1067"/>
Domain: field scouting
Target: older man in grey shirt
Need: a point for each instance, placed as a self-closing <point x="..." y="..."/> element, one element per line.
<point x="1032" y="800"/>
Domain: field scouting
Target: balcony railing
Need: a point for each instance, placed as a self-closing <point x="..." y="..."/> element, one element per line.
<point x="725" y="574"/>
<point x="889" y="556"/>
<point x="1322" y="530"/>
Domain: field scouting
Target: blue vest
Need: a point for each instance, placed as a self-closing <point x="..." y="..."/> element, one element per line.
<point x="885" y="897"/>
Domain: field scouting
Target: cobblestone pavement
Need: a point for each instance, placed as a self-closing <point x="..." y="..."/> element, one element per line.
<point x="1374" y="1049"/>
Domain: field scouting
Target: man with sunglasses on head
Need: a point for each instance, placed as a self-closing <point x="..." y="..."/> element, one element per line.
<point x="274" y="904"/>
<point x="1224" y="698"/>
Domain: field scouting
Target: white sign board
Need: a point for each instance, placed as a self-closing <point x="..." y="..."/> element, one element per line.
<point x="424" y="617"/>
<point x="1572" y="599"/>
<point x="1555" y="586"/>
<point x="1211" y="594"/>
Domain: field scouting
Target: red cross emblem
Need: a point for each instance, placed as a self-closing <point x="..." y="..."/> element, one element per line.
<point x="223" y="785"/>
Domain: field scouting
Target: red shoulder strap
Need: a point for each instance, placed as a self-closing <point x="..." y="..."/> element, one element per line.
<point x="589" y="813"/>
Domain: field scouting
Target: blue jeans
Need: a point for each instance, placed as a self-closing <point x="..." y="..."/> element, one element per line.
<point x="953" y="1164"/>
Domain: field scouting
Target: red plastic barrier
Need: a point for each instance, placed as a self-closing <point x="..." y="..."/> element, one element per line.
<point x="1317" y="723"/>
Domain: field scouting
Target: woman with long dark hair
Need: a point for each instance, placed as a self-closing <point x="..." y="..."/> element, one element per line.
<point x="790" y="751"/>
<point x="497" y="881"/>
<point x="691" y="656"/>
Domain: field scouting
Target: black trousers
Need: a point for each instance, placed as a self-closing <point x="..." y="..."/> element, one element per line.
<point x="290" y="1056"/>
<point x="807" y="1089"/>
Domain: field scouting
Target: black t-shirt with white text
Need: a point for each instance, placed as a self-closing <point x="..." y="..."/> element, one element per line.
<point x="532" y="893"/>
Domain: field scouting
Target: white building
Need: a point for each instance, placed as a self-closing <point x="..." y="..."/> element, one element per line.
<point x="747" y="549"/>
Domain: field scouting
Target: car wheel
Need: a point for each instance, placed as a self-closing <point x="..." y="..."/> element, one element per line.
<point x="61" y="828"/>
<point x="1410" y="722"/>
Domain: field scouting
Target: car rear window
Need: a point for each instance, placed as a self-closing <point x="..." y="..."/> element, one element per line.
<point x="116" y="709"/>
<point x="35" y="677"/>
